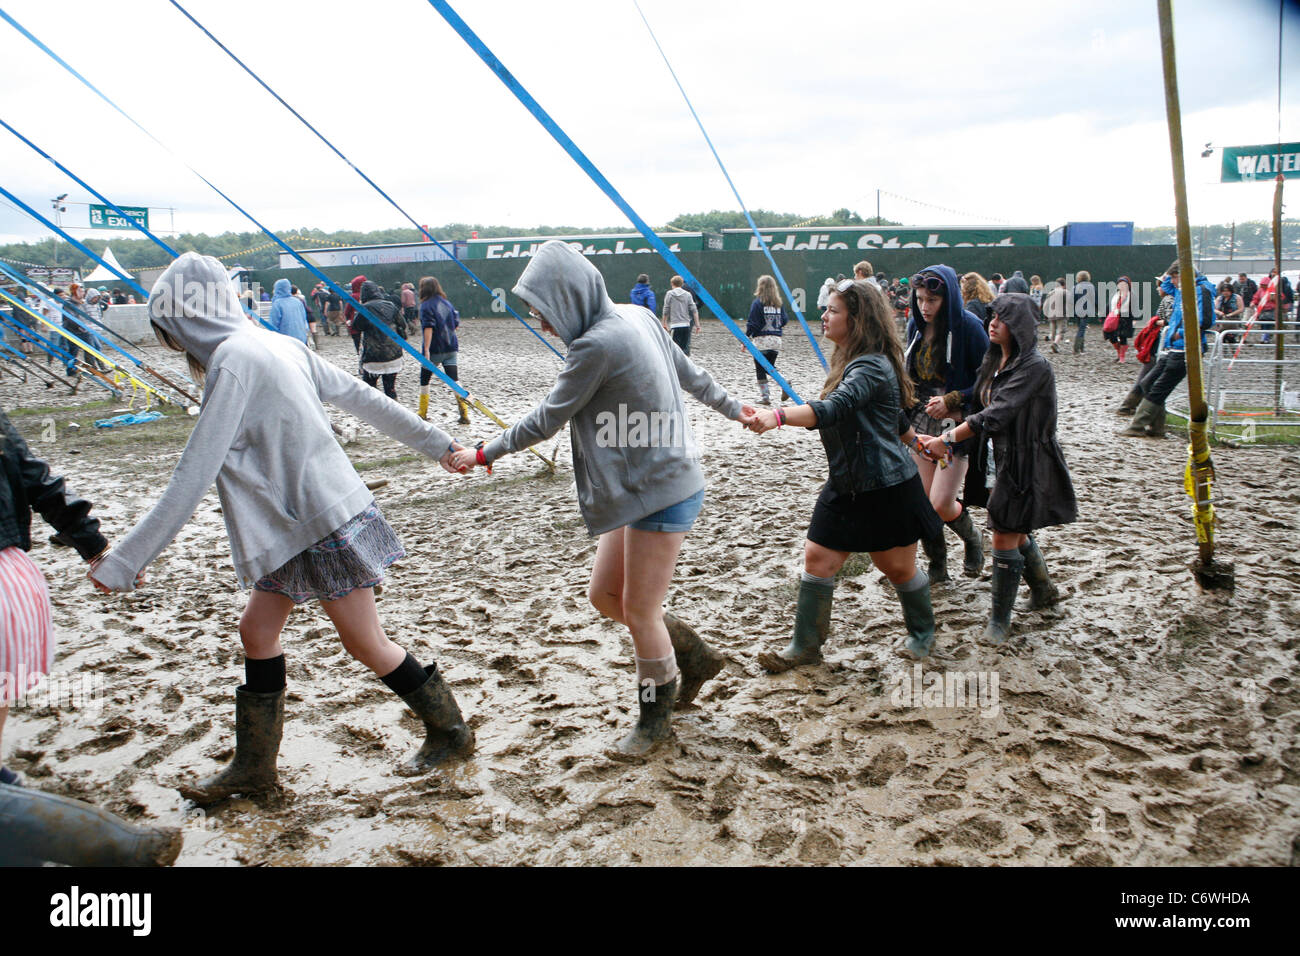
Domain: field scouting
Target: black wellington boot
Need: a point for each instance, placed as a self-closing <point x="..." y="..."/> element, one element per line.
<point x="36" y="826"/>
<point x="936" y="549"/>
<point x="1006" y="581"/>
<point x="1042" y="592"/>
<point x="259" y="724"/>
<point x="446" y="734"/>
<point x="812" y="623"/>
<point x="973" y="561"/>
<point x="697" y="660"/>
<point x="654" y="725"/>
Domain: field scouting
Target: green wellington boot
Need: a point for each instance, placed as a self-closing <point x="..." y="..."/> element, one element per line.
<point x="446" y="734"/>
<point x="918" y="615"/>
<point x="973" y="561"/>
<point x="812" y="623"/>
<point x="259" y="724"/>
<point x="1006" y="581"/>
<point x="1157" y="427"/>
<point x="936" y="549"/>
<point x="1042" y="592"/>
<point x="697" y="660"/>
<point x="1130" y="403"/>
<point x="45" y="827"/>
<point x="654" y="724"/>
<point x="1145" y="415"/>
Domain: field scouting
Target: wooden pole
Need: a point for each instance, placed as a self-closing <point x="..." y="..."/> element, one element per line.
<point x="1200" y="469"/>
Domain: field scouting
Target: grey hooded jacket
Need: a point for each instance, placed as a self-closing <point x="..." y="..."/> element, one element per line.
<point x="621" y="388"/>
<point x="262" y="434"/>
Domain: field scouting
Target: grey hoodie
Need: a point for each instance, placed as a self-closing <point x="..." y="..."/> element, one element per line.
<point x="262" y="434"/>
<point x="680" y="311"/>
<point x="621" y="387"/>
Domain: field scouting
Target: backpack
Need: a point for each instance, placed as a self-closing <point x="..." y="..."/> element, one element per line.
<point x="1146" y="340"/>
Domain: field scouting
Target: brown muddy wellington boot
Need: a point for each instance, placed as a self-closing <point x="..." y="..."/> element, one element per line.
<point x="259" y="724"/>
<point x="697" y="661"/>
<point x="446" y="734"/>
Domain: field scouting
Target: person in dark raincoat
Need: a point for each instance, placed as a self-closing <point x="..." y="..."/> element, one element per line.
<point x="1015" y="402"/>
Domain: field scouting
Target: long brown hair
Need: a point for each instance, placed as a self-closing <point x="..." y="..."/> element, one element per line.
<point x="872" y="329"/>
<point x="429" y="288"/>
<point x="766" y="292"/>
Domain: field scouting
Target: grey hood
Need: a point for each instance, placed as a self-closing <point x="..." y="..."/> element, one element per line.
<point x="195" y="302"/>
<point x="1016" y="311"/>
<point x="565" y="289"/>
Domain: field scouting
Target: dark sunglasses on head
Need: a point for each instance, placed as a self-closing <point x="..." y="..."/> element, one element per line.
<point x="929" y="281"/>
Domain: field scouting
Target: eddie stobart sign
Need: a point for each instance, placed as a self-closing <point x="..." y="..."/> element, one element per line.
<point x="606" y="245"/>
<point x="865" y="238"/>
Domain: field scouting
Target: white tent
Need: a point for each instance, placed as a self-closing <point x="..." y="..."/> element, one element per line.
<point x="103" y="275"/>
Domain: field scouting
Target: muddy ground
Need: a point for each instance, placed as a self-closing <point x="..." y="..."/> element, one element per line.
<point x="1140" y="722"/>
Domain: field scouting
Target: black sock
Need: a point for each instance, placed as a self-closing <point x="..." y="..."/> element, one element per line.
<point x="264" y="676"/>
<point x="406" y="677"/>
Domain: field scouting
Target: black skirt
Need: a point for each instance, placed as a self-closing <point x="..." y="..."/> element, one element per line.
<point x="874" y="520"/>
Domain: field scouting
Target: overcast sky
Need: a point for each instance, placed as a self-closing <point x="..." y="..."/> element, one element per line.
<point x="1025" y="113"/>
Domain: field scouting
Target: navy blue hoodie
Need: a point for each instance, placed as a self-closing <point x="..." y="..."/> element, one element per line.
<point x="967" y="340"/>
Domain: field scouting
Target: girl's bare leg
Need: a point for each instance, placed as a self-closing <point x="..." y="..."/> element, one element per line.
<point x="356" y="619"/>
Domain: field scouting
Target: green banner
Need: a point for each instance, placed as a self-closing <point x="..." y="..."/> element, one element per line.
<point x="867" y="238"/>
<point x="1247" y="164"/>
<point x="526" y="246"/>
<point x="103" y="217"/>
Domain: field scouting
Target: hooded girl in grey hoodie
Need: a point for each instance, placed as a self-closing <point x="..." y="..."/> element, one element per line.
<point x="635" y="464"/>
<point x="301" y="522"/>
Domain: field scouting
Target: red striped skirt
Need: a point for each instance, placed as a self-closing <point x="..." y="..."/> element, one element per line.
<point x="26" y="651"/>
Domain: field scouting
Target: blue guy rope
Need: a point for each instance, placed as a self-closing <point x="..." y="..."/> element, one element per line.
<point x="453" y="19"/>
<point x="70" y="364"/>
<point x="23" y="330"/>
<point x="80" y="318"/>
<point x="748" y="218"/>
<point x="392" y="202"/>
<point x="343" y="293"/>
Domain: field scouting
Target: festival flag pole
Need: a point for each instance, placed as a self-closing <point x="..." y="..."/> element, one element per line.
<point x="1199" y="474"/>
<point x="1279" y="325"/>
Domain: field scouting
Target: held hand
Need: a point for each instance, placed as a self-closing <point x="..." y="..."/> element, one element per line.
<point x="447" y="459"/>
<point x="463" y="460"/>
<point x="764" y="421"/>
<point x="934" y="447"/>
<point x="103" y="588"/>
<point x="747" y="416"/>
<point x="937" y="407"/>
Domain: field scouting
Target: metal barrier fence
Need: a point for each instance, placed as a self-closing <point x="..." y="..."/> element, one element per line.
<point x="1251" y="395"/>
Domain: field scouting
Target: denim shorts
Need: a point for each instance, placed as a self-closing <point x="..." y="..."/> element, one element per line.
<point x="678" y="517"/>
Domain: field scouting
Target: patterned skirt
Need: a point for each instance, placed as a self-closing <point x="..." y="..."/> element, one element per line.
<point x="353" y="556"/>
<point x="26" y="650"/>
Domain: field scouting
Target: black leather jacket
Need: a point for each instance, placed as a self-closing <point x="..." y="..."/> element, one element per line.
<point x="26" y="485"/>
<point x="860" y="423"/>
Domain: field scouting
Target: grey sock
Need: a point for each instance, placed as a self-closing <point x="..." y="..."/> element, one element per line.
<point x="914" y="583"/>
<point x="658" y="669"/>
<point x="813" y="579"/>
<point x="1007" y="555"/>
